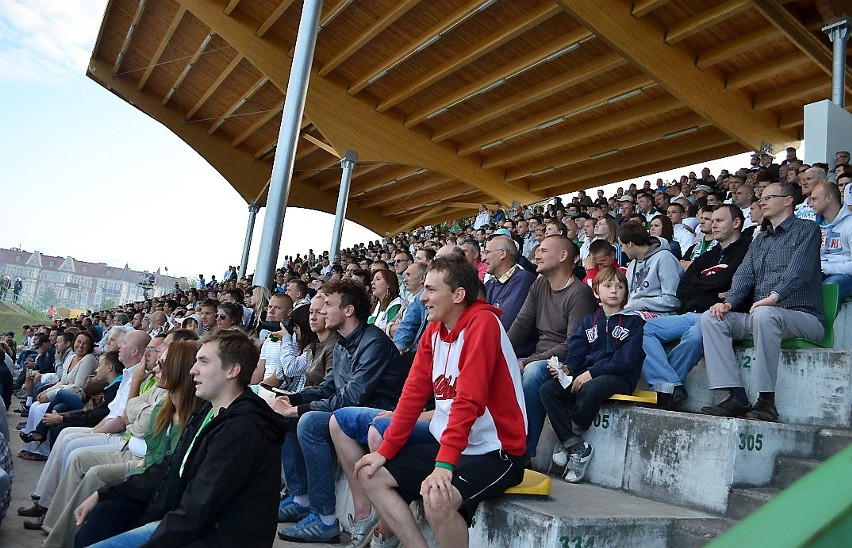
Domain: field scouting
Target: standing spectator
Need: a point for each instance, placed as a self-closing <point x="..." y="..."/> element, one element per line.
<point x="16" y="290"/>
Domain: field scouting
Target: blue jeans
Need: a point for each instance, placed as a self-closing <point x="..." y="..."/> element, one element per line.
<point x="355" y="422"/>
<point x="664" y="373"/>
<point x="130" y="539"/>
<point x="845" y="283"/>
<point x="308" y="461"/>
<point x="533" y="376"/>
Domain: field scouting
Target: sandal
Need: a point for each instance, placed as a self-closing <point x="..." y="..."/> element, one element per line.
<point x="31" y="437"/>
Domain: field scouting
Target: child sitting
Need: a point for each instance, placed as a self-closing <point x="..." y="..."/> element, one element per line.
<point x="605" y="357"/>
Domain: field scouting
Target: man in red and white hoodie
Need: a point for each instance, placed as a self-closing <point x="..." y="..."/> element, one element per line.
<point x="466" y="360"/>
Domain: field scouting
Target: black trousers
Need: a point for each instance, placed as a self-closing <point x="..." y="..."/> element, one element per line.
<point x="570" y="414"/>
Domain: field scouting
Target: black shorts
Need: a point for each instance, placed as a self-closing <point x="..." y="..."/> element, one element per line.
<point x="477" y="477"/>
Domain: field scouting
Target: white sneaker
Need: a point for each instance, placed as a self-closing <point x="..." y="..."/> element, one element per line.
<point x="362" y="530"/>
<point x="578" y="463"/>
<point x="380" y="541"/>
<point x="560" y="457"/>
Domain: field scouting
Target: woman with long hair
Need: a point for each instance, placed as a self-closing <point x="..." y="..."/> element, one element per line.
<point x="606" y="229"/>
<point x="661" y="227"/>
<point x="258" y="300"/>
<point x="65" y="395"/>
<point x="168" y="420"/>
<point x="385" y="286"/>
<point x="291" y="372"/>
<point x="229" y="316"/>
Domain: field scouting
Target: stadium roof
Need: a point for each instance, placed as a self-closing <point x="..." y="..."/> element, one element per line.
<point x="451" y="103"/>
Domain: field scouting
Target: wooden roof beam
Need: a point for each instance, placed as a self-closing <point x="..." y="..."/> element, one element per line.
<point x="703" y="155"/>
<point x="236" y="165"/>
<point x="579" y="132"/>
<point x="429" y="37"/>
<point x="785" y="94"/>
<point x="700" y="22"/>
<point x="414" y="221"/>
<point x="232" y="4"/>
<point x="766" y="70"/>
<point x="192" y="60"/>
<point x="583" y="73"/>
<point x="131" y="30"/>
<point x="360" y="171"/>
<point x="801" y="37"/>
<point x="735" y="46"/>
<point x="670" y="151"/>
<point x="385" y="179"/>
<point x="259" y="123"/>
<point x="638" y="138"/>
<point x="161" y="47"/>
<point x="264" y="149"/>
<point x="214" y="86"/>
<point x="530" y="20"/>
<point x="323" y="145"/>
<point x="273" y="17"/>
<point x="397" y="192"/>
<point x="553" y="115"/>
<point x="386" y="20"/>
<point x="642" y="8"/>
<point x="238" y="104"/>
<point x="674" y="68"/>
<point x="551" y="50"/>
<point x="349" y="122"/>
<point x="309" y="171"/>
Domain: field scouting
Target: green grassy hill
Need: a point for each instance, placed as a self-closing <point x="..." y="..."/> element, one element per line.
<point x="11" y="319"/>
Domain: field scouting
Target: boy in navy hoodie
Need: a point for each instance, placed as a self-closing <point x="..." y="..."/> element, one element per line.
<point x="605" y="357"/>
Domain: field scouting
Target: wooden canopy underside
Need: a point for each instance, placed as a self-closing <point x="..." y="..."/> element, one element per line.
<point x="453" y="103"/>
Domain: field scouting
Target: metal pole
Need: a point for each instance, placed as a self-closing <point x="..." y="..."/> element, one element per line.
<point x="253" y="209"/>
<point x="838" y="33"/>
<point x="288" y="135"/>
<point x="350" y="159"/>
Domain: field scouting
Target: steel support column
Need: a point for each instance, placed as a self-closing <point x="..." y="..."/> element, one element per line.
<point x="348" y="162"/>
<point x="253" y="209"/>
<point x="288" y="135"/>
<point x="838" y="33"/>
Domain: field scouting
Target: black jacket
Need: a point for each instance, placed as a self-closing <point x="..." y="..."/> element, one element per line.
<point x="367" y="372"/>
<point x="711" y="274"/>
<point x="229" y="491"/>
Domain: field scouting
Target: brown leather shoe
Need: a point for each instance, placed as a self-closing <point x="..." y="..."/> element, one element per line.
<point x="34" y="511"/>
<point x="34" y="525"/>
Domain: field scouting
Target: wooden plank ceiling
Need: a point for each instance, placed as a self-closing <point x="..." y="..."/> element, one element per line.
<point x="450" y="103"/>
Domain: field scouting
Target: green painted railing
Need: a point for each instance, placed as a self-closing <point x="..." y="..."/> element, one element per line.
<point x="814" y="511"/>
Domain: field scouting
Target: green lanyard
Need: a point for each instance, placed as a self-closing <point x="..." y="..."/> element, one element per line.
<point x="207" y="419"/>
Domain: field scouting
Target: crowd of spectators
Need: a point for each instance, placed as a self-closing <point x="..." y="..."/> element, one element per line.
<point x="505" y="318"/>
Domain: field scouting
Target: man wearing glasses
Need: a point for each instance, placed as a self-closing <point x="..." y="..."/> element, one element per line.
<point x="780" y="269"/>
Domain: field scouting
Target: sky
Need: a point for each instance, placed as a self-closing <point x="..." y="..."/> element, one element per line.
<point x="86" y="175"/>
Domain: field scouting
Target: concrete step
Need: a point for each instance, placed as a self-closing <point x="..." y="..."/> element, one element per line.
<point x="831" y="441"/>
<point x="745" y="500"/>
<point x="696" y="533"/>
<point x="843" y="327"/>
<point x="682" y="458"/>
<point x="579" y="516"/>
<point x="814" y="386"/>
<point x="788" y="471"/>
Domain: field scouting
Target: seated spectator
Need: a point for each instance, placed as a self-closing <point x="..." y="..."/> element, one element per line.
<point x="367" y="371"/>
<point x="653" y="272"/>
<point x="473" y="252"/>
<point x="298" y="291"/>
<point x="209" y="309"/>
<point x="600" y="366"/>
<point x="5" y="476"/>
<point x="478" y="425"/>
<point x="808" y="179"/>
<point x="229" y="316"/>
<point x="509" y="283"/>
<point x="704" y="240"/>
<point x="682" y="234"/>
<point x="226" y="486"/>
<point x="661" y="227"/>
<point x="601" y="255"/>
<point x="278" y="310"/>
<point x="779" y="271"/>
<point x="385" y="288"/>
<point x="703" y="284"/>
<point x="556" y="303"/>
<point x="835" y="222"/>
<point x="413" y="322"/>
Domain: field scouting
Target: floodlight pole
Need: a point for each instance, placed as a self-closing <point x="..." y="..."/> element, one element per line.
<point x="348" y="163"/>
<point x="288" y="135"/>
<point x="838" y="32"/>
<point x="253" y="209"/>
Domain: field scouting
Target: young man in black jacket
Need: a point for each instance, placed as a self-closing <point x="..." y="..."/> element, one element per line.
<point x="221" y="485"/>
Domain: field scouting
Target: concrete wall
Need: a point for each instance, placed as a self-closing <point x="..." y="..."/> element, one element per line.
<point x="828" y="128"/>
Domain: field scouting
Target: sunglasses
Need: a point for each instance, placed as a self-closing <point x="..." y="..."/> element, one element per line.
<point x="221" y="316"/>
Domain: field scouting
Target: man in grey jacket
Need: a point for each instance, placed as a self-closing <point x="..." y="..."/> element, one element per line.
<point x="653" y="272"/>
<point x="368" y="372"/>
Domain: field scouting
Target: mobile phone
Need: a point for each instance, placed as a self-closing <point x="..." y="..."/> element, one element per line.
<point x="276" y="390"/>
